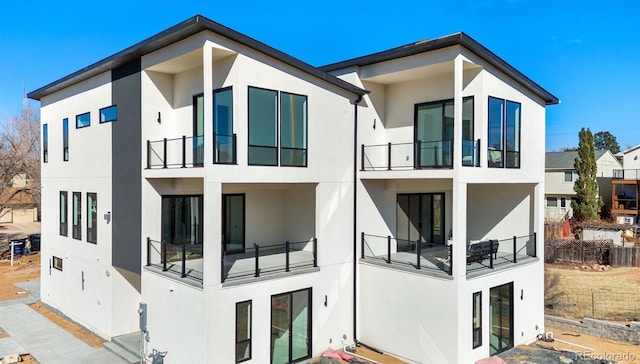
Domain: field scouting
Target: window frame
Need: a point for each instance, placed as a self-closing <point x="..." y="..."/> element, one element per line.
<point x="216" y="159"/>
<point x="309" y="338"/>
<point x="276" y="127"/>
<point x="65" y="139"/>
<point x="551" y="198"/>
<point x="56" y="263"/>
<point x="476" y="319"/>
<point x="45" y="143"/>
<point x="171" y="235"/>
<point x="250" y="331"/>
<point x="76" y="229"/>
<point x="105" y="120"/>
<point x="64" y="225"/>
<point x="504" y="137"/>
<point x="92" y="217"/>
<point x="78" y="126"/>
<point x="306" y="130"/>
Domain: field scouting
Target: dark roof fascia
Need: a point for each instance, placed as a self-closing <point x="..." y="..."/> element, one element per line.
<point x="443" y="42"/>
<point x="176" y="33"/>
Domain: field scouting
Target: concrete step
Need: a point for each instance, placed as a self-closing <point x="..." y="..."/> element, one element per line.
<point x="126" y="347"/>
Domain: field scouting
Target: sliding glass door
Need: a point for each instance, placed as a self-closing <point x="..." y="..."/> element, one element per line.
<point x="233" y="222"/>
<point x="501" y="318"/>
<point x="420" y="216"/>
<point x="434" y="134"/>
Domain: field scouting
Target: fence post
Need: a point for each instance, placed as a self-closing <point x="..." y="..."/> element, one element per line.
<point x="256" y="248"/>
<point x="515" y="260"/>
<point x="362" y="157"/>
<point x="535" y="245"/>
<point x="163" y="247"/>
<point x="362" y="245"/>
<point x="389" y="156"/>
<point x="315" y="252"/>
<point x="148" y="154"/>
<point x="184" y="152"/>
<point x="148" y="251"/>
<point x="184" y="260"/>
<point x="286" y="258"/>
<point x="418" y="250"/>
<point x="389" y="249"/>
<point x="491" y="254"/>
<point x="451" y="259"/>
<point x="164" y="153"/>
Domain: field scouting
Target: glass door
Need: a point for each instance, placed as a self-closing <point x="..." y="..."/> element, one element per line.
<point x="198" y="130"/>
<point x="420" y="216"/>
<point x="501" y="318"/>
<point x="433" y="134"/>
<point x="233" y="223"/>
<point x="224" y="151"/>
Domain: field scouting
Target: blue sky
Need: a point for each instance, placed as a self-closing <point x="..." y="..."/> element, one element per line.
<point x="587" y="53"/>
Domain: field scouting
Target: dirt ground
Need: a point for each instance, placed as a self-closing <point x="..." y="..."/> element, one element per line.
<point x="26" y="268"/>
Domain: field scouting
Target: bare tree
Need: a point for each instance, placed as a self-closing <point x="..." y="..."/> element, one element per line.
<point x="20" y="160"/>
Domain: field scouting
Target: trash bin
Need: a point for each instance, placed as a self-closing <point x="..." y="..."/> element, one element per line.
<point x="17" y="247"/>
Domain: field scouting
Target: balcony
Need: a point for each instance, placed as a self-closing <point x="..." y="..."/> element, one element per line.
<point x="176" y="153"/>
<point x="630" y="174"/>
<point x="500" y="253"/>
<point x="423" y="257"/>
<point x="418" y="155"/>
<point x="269" y="260"/>
<point x="184" y="261"/>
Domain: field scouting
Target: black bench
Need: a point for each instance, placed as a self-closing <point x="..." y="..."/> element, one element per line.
<point x="482" y="250"/>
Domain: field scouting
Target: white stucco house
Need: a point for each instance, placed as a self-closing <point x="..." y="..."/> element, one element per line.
<point x="625" y="192"/>
<point x="560" y="176"/>
<point x="263" y="209"/>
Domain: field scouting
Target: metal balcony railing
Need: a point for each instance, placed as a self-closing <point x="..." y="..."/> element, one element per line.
<point x="390" y="156"/>
<point x="185" y="260"/>
<point x="500" y="252"/>
<point x="632" y="174"/>
<point x="179" y="152"/>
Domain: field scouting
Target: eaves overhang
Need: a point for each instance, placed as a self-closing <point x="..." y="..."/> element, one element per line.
<point x="176" y="33"/>
<point x="461" y="39"/>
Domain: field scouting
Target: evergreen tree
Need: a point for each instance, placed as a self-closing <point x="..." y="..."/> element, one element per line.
<point x="587" y="202"/>
<point x="603" y="140"/>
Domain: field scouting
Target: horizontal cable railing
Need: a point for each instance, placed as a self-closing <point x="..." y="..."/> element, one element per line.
<point x="471" y="153"/>
<point x="491" y="253"/>
<point x="268" y="259"/>
<point x="390" y="156"/>
<point x="418" y="254"/>
<point x="179" y="152"/>
<point x="633" y="174"/>
<point x="185" y="260"/>
<point x="225" y="149"/>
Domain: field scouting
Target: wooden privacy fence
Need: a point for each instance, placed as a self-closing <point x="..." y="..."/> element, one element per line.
<point x="577" y="251"/>
<point x="624" y="256"/>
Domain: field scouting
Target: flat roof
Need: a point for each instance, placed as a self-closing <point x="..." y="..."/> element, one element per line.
<point x="443" y="42"/>
<point x="183" y="30"/>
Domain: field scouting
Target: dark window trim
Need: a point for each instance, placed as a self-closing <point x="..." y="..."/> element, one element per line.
<point x="504" y="133"/>
<point x="45" y="143"/>
<point x="194" y="128"/>
<point x="57" y="266"/>
<point x="477" y="331"/>
<point x="443" y="216"/>
<point x="76" y="230"/>
<point x="250" y="330"/>
<point x="306" y="141"/>
<point x="428" y="103"/>
<point x="64" y="227"/>
<point x="309" y="323"/>
<point x="244" y="221"/>
<point x="216" y="91"/>
<point x="89" y="213"/>
<point x="277" y="140"/>
<point x="77" y="120"/>
<point x="199" y="229"/>
<point x="65" y="139"/>
<point x="107" y="120"/>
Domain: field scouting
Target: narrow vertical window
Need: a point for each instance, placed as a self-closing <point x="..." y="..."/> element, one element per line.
<point x="83" y="120"/>
<point x="291" y="327"/>
<point x="65" y="139"/>
<point x="225" y="142"/>
<point x="293" y="130"/>
<point x="63" y="213"/>
<point x="77" y="214"/>
<point x="263" y="131"/>
<point x="92" y="217"/>
<point x="496" y="128"/>
<point x="470" y="152"/>
<point x="477" y="319"/>
<point x="45" y="143"/>
<point x="243" y="331"/>
<point x="504" y="133"/>
<point x="512" y="135"/>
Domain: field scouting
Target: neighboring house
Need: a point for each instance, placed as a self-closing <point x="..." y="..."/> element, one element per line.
<point x="264" y="209"/>
<point x="626" y="187"/>
<point x="19" y="204"/>
<point x="560" y="176"/>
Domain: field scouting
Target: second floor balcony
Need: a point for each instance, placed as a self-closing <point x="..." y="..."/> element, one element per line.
<point x="186" y="152"/>
<point x="630" y="174"/>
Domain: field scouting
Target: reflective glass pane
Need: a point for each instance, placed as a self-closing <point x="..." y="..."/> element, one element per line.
<point x="495" y="141"/>
<point x="300" y="345"/>
<point x="263" y="119"/>
<point x="512" y="137"/>
<point x="109" y="114"/>
<point x="243" y="331"/>
<point x="280" y="328"/>
<point x="83" y="120"/>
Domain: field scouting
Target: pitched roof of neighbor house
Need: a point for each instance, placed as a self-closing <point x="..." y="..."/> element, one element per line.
<point x="187" y="28"/>
<point x="443" y="42"/>
<point x="565" y="160"/>
<point x="628" y="150"/>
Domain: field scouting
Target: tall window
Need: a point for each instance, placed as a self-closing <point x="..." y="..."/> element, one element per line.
<point x="63" y="213"/>
<point x="182" y="220"/>
<point x="433" y="134"/>
<point x="470" y="153"/>
<point x="477" y="319"/>
<point x="504" y="133"/>
<point x="243" y="331"/>
<point x="77" y="215"/>
<point x="293" y="130"/>
<point x="263" y="132"/>
<point x="225" y="146"/>
<point x="108" y="114"/>
<point x="291" y="326"/>
<point x="92" y="218"/>
<point x="45" y="143"/>
<point x="83" y="120"/>
<point x="65" y="139"/>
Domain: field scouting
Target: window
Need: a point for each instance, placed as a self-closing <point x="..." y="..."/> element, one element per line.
<point x="293" y="130"/>
<point x="225" y="148"/>
<point x="433" y="134"/>
<point x="45" y="143"/>
<point x="63" y="213"/>
<point x="552" y="202"/>
<point x="470" y="154"/>
<point x="77" y="215"/>
<point x="477" y="319"/>
<point x="563" y="202"/>
<point x="57" y="263"/>
<point x="263" y="131"/>
<point x="291" y="326"/>
<point x="570" y="176"/>
<point x="83" y="120"/>
<point x="92" y="217"/>
<point x="65" y="139"/>
<point x="108" y="114"/>
<point x="182" y="220"/>
<point x="504" y="133"/>
<point x="243" y="331"/>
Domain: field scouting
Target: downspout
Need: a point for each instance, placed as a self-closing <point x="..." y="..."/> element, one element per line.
<point x="355" y="213"/>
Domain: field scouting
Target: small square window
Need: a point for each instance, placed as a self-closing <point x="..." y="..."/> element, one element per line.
<point x="57" y="263"/>
<point x="108" y="114"/>
<point x="83" y="120"/>
<point x="568" y="176"/>
<point x="552" y="202"/>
